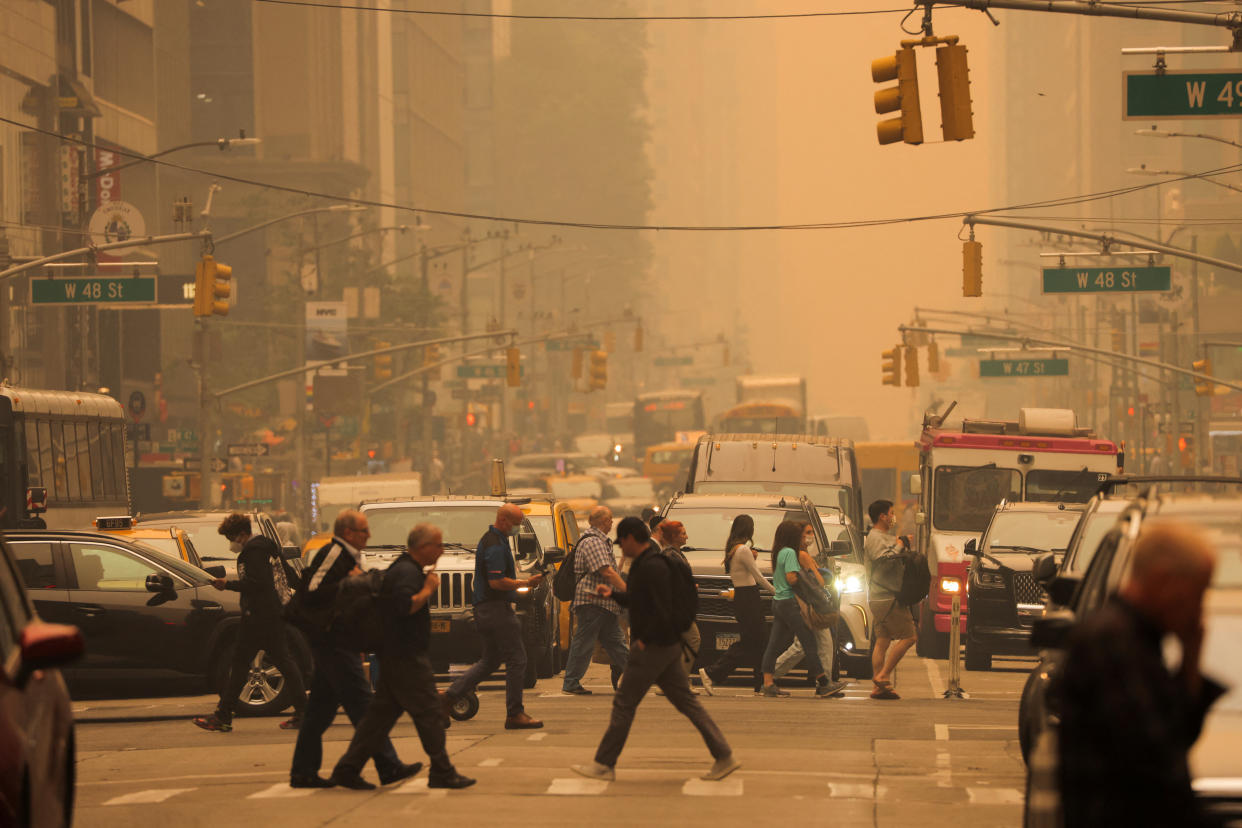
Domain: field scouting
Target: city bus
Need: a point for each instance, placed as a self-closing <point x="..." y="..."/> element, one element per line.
<point x="964" y="474"/>
<point x="885" y="470"/>
<point x="63" y="458"/>
<point x="761" y="418"/>
<point x="660" y="415"/>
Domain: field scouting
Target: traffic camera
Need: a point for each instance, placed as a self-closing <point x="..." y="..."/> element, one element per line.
<point x="599" y="370"/>
<point x="902" y="68"/>
<point x="211" y="287"/>
<point x="891" y="366"/>
<point x="513" y="367"/>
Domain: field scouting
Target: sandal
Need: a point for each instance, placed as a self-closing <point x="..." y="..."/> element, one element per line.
<point x="213" y="722"/>
<point x="884" y="692"/>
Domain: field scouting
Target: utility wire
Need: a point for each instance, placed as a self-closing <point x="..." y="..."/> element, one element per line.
<point x="591" y="225"/>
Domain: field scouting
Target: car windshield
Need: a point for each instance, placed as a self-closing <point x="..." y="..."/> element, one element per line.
<point x="545" y="530"/>
<point x="165" y="546"/>
<point x="629" y="487"/>
<point x="670" y="457"/>
<point x="191" y="573"/>
<point x="565" y="489"/>
<point x="1032" y="532"/>
<point x="461" y="525"/>
<point x="708" y="528"/>
<point x="1095" y="527"/>
<point x="1060" y="486"/>
<point x="966" y="497"/>
<point x="211" y="545"/>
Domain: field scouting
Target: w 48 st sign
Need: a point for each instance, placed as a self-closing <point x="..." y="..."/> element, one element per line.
<point x="1182" y="95"/>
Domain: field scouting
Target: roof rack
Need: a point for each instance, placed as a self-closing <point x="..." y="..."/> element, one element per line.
<point x="1107" y="486"/>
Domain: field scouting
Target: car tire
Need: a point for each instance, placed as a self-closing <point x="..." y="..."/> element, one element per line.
<point x="931" y="644"/>
<point x="268" y="694"/>
<point x="1026" y="723"/>
<point x="977" y="656"/>
<point x="70" y="777"/>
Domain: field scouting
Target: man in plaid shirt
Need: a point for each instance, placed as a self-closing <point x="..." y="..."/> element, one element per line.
<point x="596" y="618"/>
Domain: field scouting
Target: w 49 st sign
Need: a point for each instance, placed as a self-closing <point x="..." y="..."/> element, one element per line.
<point x="1182" y="95"/>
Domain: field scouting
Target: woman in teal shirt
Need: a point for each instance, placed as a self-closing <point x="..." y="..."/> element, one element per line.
<point x="791" y="561"/>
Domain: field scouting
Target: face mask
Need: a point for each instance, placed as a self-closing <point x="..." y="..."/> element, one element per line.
<point x="235" y="547"/>
<point x="513" y="531"/>
<point x="812" y="546"/>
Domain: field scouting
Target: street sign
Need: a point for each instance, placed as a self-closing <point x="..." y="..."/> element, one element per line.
<point x="569" y="344"/>
<point x="481" y="371"/>
<point x="674" y="360"/>
<point x="94" y="290"/>
<point x="1181" y="95"/>
<point x="698" y="380"/>
<point x="1106" y="279"/>
<point x="248" y="449"/>
<point x="1023" y="367"/>
<point x="218" y="465"/>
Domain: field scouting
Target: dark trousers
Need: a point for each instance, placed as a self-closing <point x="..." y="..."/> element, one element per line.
<point x="501" y="631"/>
<point x="659" y="665"/>
<point x="257" y="635"/>
<point x="338" y="682"/>
<point x="593" y="624"/>
<point x="787" y="624"/>
<point x="747" y="651"/>
<point x="406" y="683"/>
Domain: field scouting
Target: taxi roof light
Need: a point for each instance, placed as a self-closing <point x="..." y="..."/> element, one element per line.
<point x="114" y="522"/>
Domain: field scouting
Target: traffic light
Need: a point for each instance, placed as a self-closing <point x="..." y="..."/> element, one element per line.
<point x="638" y="338"/>
<point x="513" y="367"/>
<point x="383" y="363"/>
<point x="575" y="366"/>
<point x="972" y="268"/>
<point x="431" y="356"/>
<point x="211" y="287"/>
<point x="902" y="68"/>
<point x="599" y="370"/>
<point x="1202" y="387"/>
<point x="933" y="358"/>
<point x="891" y="366"/>
<point x="912" y="366"/>
<point x="472" y="419"/>
<point x="956" y="120"/>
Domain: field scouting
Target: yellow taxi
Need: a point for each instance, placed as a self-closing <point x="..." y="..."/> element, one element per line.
<point x="580" y="492"/>
<point x="556" y="526"/>
<point x="169" y="541"/>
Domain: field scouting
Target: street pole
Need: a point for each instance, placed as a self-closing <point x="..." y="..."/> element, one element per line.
<point x="427" y="410"/>
<point x="1203" y="460"/>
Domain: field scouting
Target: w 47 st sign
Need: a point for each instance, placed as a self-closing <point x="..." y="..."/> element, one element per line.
<point x="1182" y="95"/>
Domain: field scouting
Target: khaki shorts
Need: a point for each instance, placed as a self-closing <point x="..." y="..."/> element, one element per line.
<point x="892" y="621"/>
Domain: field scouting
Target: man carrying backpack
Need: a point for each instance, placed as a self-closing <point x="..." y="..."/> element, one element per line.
<point x="595" y="617"/>
<point x="661" y="599"/>
<point x="895" y="632"/>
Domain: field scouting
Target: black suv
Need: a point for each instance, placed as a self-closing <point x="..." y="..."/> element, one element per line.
<point x="141" y="610"/>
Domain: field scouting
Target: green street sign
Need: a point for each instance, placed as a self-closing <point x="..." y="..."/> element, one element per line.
<point x="485" y="371"/>
<point x="674" y="360"/>
<point x="1106" y="279"/>
<point x="1182" y="95"/>
<point x="92" y="290"/>
<point x="1023" y="367"/>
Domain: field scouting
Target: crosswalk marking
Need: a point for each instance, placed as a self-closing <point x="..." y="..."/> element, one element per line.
<point x="490" y="763"/>
<point x="419" y="786"/>
<point x="856" y="790"/>
<point x="994" y="796"/>
<point x="576" y="787"/>
<point x="146" y="797"/>
<point x="281" y="790"/>
<point x="536" y="737"/>
<point x="702" y="787"/>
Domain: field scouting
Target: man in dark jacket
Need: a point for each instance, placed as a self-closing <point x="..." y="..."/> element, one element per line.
<point x="264" y="588"/>
<point x="1127" y="723"/>
<point x="655" y="657"/>
<point x="406" y="679"/>
<point x="338" y="680"/>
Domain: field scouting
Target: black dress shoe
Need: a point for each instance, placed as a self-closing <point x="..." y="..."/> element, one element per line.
<point x="404" y="772"/>
<point x="350" y="780"/>
<point x="576" y="691"/>
<point x="455" y="781"/>
<point x="297" y="780"/>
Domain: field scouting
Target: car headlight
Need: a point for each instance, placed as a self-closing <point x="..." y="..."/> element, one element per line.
<point x="849" y="584"/>
<point x="950" y="585"/>
<point x="989" y="579"/>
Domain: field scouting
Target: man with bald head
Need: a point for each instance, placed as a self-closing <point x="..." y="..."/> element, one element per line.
<point x="596" y="618"/>
<point x="495" y="589"/>
<point x="1127" y="722"/>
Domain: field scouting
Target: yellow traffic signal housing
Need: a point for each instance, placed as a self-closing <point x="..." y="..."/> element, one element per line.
<point x="513" y="367"/>
<point x="1117" y="338"/>
<point x="431" y="356"/>
<point x="972" y="268"/>
<point x="211" y="287"/>
<point x="933" y="358"/>
<point x="599" y="370"/>
<point x="638" y="338"/>
<point x="902" y="68"/>
<point x="956" y="119"/>
<point x="575" y="366"/>
<point x="891" y="366"/>
<point x="383" y="363"/>
<point x="1202" y="387"/>
<point x="912" y="366"/>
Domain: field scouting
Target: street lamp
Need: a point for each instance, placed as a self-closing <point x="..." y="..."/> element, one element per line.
<point x="1160" y="133"/>
<point x="222" y="143"/>
<point x="1182" y="174"/>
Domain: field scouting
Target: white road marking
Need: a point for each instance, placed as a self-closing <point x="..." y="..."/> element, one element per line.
<point x="490" y="763"/>
<point x="856" y="790"/>
<point x="419" y="786"/>
<point x="536" y="737"/>
<point x="144" y="797"/>
<point x="576" y="787"/>
<point x="942" y="760"/>
<point x="183" y="778"/>
<point x="731" y="786"/>
<point x="994" y="796"/>
<point x="933" y="675"/>
<point x="281" y="790"/>
<point x="942" y="732"/>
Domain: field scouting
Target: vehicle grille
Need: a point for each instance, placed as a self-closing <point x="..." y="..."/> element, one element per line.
<point x="1027" y="591"/>
<point x="456" y="591"/>
<point x="712" y="604"/>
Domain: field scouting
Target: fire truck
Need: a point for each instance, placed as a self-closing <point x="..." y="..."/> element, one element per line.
<point x="963" y="475"/>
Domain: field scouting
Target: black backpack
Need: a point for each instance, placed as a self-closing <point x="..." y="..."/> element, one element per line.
<point x="685" y="594"/>
<point x="565" y="581"/>
<point x="357" y="610"/>
<point x="915" y="579"/>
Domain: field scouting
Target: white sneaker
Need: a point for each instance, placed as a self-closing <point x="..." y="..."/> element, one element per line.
<point x="721" y="768"/>
<point x="597" y="771"/>
<point x="707" y="681"/>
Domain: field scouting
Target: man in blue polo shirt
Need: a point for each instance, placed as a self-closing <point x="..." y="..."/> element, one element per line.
<point x="495" y="589"/>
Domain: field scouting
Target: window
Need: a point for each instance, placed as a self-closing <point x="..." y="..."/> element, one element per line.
<point x="108" y="569"/>
<point x="877" y="484"/>
<point x="12" y="613"/>
<point x="126" y="50"/>
<point x="33" y="477"/>
<point x="35" y="564"/>
<point x="70" y="444"/>
<point x="966" y="496"/>
<point x="121" y="489"/>
<point x="95" y="450"/>
<point x="47" y="464"/>
<point x="1060" y="486"/>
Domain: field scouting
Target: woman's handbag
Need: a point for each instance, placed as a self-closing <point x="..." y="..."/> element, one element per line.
<point x="823" y="600"/>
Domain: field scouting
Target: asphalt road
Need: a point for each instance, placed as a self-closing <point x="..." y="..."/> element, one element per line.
<point x="921" y="761"/>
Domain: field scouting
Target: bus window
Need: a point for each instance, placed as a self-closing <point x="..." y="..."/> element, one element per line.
<point x="84" y="460"/>
<point x="33" y="478"/>
<point x="966" y="496"/>
<point x="118" y="459"/>
<point x="47" y="462"/>
<point x="69" y="447"/>
<point x="97" y="461"/>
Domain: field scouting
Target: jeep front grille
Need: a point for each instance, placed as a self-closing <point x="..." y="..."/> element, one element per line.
<point x="456" y="591"/>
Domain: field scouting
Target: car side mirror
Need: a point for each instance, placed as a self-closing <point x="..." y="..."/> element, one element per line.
<point x="290" y="553"/>
<point x="215" y="571"/>
<point x="839" y="548"/>
<point x="1044" y="569"/>
<point x="553" y="555"/>
<point x="972" y="547"/>
<point x="160" y="583"/>
<point x="1052" y="631"/>
<point x="47" y="645"/>
<point x="1061" y="589"/>
<point x="916" y="484"/>
<point x="525" y="547"/>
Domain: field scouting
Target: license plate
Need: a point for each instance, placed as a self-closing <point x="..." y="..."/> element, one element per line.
<point x="439" y="625"/>
<point x="726" y="640"/>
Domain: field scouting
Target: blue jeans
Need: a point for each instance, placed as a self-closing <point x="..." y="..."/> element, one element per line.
<point x="338" y="682"/>
<point x="787" y="624"/>
<point x="501" y="631"/>
<point x="591" y="624"/>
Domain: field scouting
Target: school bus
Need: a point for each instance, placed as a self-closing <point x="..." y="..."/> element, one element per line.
<point x="885" y="470"/>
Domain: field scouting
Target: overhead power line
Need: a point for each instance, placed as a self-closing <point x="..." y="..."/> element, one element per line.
<point x="614" y="18"/>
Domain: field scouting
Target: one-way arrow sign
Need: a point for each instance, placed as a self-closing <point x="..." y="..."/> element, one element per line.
<point x="218" y="465"/>
<point x="248" y="449"/>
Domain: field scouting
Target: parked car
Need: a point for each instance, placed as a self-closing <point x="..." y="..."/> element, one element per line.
<point x="213" y="548"/>
<point x="1004" y="596"/>
<point x="1215" y="763"/>
<point x="143" y="612"/>
<point x="37" y="767"/>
